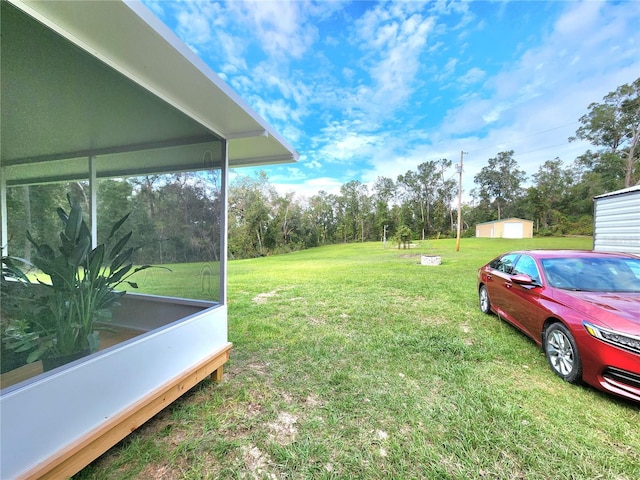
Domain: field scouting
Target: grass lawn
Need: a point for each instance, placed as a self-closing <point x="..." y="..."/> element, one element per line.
<point x="354" y="361"/>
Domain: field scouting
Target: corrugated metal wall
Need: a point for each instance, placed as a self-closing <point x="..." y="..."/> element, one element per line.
<point x="617" y="221"/>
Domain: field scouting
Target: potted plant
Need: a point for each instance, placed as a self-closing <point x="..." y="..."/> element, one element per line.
<point x="82" y="287"/>
<point x="18" y="302"/>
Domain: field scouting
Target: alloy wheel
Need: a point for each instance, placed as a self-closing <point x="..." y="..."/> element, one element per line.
<point x="485" y="304"/>
<point x="560" y="353"/>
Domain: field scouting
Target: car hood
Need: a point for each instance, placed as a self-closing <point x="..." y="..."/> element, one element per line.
<point x="614" y="310"/>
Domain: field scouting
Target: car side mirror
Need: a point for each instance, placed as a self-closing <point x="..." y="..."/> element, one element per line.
<point x="523" y="279"/>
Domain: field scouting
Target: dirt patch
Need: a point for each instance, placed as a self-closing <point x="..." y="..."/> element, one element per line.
<point x="253" y="410"/>
<point x="160" y="472"/>
<point x="284" y="430"/>
<point x="258" y="368"/>
<point x="316" y="321"/>
<point x="258" y="463"/>
<point x="312" y="401"/>
<point x="264" y="297"/>
<point x="466" y="329"/>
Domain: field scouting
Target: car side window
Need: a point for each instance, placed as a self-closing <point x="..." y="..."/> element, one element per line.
<point x="505" y="263"/>
<point x="527" y="266"/>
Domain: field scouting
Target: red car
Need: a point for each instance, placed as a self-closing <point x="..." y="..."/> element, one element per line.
<point x="581" y="307"/>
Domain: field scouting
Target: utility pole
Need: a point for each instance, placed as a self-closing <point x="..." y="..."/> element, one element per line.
<point x="459" y="169"/>
<point x="384" y="237"/>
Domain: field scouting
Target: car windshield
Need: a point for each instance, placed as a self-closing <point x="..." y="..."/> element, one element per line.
<point x="595" y="274"/>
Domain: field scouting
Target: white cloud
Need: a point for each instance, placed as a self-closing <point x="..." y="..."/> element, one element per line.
<point x="281" y="28"/>
<point x="447" y="70"/>
<point x="313" y="164"/>
<point x="348" y="146"/>
<point x="392" y="38"/>
<point x="368" y="95"/>
<point x="473" y="75"/>
<point x="493" y="115"/>
<point x="547" y="83"/>
<point x="310" y="187"/>
<point x="197" y="21"/>
<point x="583" y="17"/>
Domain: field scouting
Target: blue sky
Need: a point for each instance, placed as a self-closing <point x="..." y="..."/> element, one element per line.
<point x="369" y="89"/>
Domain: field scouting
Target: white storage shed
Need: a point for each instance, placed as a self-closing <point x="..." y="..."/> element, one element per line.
<point x="617" y="221"/>
<point x="506" y="228"/>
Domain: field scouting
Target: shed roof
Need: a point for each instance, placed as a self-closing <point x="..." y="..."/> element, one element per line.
<point x="634" y="188"/>
<point x="82" y="79"/>
<point x="504" y="220"/>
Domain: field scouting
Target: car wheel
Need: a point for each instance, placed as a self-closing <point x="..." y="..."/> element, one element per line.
<point x="483" y="296"/>
<point x="562" y="353"/>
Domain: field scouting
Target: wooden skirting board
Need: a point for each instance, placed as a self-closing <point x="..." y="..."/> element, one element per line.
<point x="73" y="458"/>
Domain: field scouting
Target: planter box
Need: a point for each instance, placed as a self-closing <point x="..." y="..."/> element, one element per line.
<point x="57" y="422"/>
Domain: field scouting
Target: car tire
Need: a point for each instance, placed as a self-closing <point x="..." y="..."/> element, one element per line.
<point x="483" y="297"/>
<point x="562" y="353"/>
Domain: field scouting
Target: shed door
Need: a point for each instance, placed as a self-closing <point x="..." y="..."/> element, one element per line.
<point x="513" y="230"/>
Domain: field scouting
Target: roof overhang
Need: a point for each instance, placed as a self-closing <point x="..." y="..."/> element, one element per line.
<point x="633" y="188"/>
<point x="108" y="80"/>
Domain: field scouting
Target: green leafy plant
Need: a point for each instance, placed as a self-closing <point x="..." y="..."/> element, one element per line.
<point x="403" y="236"/>
<point x="18" y="337"/>
<point x="19" y="305"/>
<point x="83" y="283"/>
<point x="11" y="269"/>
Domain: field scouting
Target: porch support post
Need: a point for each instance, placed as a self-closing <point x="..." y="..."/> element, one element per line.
<point x="93" y="192"/>
<point x="4" y="236"/>
<point x="224" y="221"/>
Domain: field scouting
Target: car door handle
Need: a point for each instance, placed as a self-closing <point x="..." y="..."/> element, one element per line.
<point x="508" y="284"/>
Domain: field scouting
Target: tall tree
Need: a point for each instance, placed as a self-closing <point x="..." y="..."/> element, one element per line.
<point x="593" y="174"/>
<point x="320" y="216"/>
<point x="249" y="215"/>
<point x="552" y="184"/>
<point x="114" y="201"/>
<point x="500" y="180"/>
<point x="614" y="125"/>
<point x="420" y="189"/>
<point x="355" y="207"/>
<point x="445" y="193"/>
<point x="34" y="207"/>
<point x="288" y="223"/>
<point x="384" y="192"/>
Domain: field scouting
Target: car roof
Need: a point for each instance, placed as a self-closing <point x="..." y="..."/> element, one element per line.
<point x="573" y="254"/>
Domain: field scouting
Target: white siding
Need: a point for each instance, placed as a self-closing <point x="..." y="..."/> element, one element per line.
<point x="42" y="418"/>
<point x="617" y="222"/>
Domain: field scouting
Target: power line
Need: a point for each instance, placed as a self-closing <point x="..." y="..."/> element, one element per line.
<point x="551" y="129"/>
<point x="533" y="135"/>
<point x="543" y="148"/>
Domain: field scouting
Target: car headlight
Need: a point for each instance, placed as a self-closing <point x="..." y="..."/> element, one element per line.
<point x="621" y="340"/>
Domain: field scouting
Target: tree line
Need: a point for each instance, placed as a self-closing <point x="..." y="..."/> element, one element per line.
<point x="176" y="218"/>
<point x="420" y="202"/>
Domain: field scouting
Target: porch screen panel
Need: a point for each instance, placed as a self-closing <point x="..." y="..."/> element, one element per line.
<point x="25" y="308"/>
<point x="175" y="219"/>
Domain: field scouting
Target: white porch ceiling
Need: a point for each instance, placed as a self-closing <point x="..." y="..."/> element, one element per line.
<point x="108" y="79"/>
